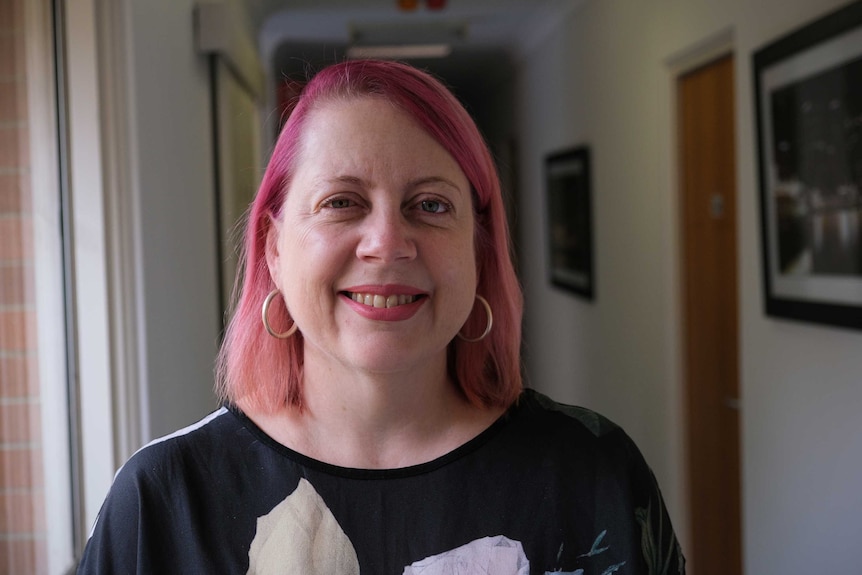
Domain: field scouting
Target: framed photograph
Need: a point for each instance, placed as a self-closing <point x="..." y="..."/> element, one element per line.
<point x="808" y="96"/>
<point x="570" y="221"/>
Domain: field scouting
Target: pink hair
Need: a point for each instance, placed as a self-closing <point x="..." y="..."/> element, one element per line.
<point x="266" y="372"/>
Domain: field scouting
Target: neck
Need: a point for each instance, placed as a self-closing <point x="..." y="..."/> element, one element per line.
<point x="377" y="421"/>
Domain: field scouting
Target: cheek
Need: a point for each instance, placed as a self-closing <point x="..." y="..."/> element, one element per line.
<point x="299" y="247"/>
<point x="468" y="251"/>
<point x="292" y="267"/>
<point x="459" y="266"/>
<point x="311" y="260"/>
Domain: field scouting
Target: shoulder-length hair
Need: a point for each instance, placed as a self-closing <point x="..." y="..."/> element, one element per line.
<point x="266" y="373"/>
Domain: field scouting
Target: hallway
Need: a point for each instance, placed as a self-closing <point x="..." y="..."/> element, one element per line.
<point x="167" y="134"/>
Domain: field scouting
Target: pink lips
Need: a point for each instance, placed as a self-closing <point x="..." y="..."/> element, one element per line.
<point x="397" y="313"/>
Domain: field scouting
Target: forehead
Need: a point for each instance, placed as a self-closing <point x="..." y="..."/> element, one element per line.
<point x="368" y="133"/>
<point x="353" y="116"/>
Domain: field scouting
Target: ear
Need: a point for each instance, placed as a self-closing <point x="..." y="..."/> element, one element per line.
<point x="273" y="232"/>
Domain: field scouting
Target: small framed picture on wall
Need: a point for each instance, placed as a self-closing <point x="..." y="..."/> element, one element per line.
<point x="570" y="221"/>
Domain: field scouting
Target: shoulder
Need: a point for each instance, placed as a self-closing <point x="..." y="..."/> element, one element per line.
<point x="165" y="455"/>
<point x="162" y="460"/>
<point x="149" y="502"/>
<point x="597" y="452"/>
<point x="577" y="434"/>
<point x="205" y="432"/>
<point x="534" y="403"/>
<point x="570" y="424"/>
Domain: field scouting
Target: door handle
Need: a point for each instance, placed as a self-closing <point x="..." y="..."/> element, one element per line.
<point x="732" y="403"/>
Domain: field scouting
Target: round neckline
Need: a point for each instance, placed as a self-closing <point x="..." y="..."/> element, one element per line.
<point x="361" y="473"/>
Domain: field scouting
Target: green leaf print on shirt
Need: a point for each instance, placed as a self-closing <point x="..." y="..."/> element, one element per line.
<point x="649" y="544"/>
<point x="595" y="550"/>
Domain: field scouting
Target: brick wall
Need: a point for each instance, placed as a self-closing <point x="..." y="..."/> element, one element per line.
<point x="22" y="513"/>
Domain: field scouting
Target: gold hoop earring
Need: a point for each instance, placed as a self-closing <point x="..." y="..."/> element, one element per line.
<point x="488" y="327"/>
<point x="265" y="310"/>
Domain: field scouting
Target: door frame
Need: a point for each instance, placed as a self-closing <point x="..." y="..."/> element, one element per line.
<point x="678" y="64"/>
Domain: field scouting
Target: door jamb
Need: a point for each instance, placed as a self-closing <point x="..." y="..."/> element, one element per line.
<point x="678" y="64"/>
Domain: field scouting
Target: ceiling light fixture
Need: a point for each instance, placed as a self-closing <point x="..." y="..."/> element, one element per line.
<point x="394" y="41"/>
<point x="399" y="51"/>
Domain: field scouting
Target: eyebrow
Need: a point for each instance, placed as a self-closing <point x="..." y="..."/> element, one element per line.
<point x="345" y="180"/>
<point x="415" y="183"/>
<point x="432" y="180"/>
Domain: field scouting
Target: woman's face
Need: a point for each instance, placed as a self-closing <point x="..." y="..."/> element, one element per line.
<point x="373" y="251"/>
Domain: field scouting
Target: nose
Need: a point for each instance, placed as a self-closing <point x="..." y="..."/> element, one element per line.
<point x="386" y="237"/>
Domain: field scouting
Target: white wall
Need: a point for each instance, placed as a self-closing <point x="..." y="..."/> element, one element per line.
<point x="179" y="311"/>
<point x="604" y="76"/>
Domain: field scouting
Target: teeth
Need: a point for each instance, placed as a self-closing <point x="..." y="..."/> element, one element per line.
<point x="379" y="301"/>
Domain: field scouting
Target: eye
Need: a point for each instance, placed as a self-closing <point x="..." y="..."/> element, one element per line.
<point x="338" y="203"/>
<point x="433" y="206"/>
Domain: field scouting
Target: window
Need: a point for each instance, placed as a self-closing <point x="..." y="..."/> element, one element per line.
<point x="35" y="477"/>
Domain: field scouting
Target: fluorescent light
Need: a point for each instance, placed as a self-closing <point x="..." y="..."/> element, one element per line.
<point x="398" y="51"/>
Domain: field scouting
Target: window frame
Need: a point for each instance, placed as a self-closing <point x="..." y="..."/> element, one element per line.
<point x="49" y="283"/>
<point x="102" y="218"/>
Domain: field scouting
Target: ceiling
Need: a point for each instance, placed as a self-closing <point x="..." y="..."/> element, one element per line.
<point x="296" y="36"/>
<point x="489" y="21"/>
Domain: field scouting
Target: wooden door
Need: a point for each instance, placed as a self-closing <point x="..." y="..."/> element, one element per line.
<point x="708" y="210"/>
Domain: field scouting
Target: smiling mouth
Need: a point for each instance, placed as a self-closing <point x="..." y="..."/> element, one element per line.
<point x="381" y="301"/>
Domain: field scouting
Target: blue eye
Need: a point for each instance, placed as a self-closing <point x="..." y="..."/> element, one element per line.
<point x="339" y="203"/>
<point x="433" y="206"/>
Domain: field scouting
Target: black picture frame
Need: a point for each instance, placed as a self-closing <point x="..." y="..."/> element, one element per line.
<point x="808" y="103"/>
<point x="570" y="221"/>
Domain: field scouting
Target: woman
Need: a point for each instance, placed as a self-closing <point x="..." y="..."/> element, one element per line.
<point x="374" y="416"/>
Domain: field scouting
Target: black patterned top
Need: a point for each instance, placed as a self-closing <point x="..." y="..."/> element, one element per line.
<point x="547" y="489"/>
